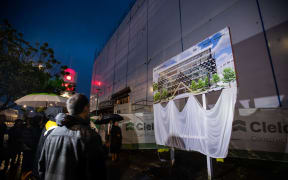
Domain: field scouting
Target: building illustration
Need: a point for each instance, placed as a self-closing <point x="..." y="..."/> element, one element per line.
<point x="194" y="68"/>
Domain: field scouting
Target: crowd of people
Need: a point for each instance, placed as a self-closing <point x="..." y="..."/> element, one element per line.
<point x="59" y="145"/>
<point x="23" y="138"/>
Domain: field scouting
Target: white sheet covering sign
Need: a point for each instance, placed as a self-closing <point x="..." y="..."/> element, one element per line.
<point x="194" y="128"/>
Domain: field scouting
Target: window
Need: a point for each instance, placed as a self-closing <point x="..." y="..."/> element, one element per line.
<point x="123" y="100"/>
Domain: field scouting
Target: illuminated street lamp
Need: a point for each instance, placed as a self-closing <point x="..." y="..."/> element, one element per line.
<point x="98" y="89"/>
<point x="40" y="66"/>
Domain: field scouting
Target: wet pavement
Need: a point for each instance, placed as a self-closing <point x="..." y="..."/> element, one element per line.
<point x="147" y="165"/>
<point x="150" y="165"/>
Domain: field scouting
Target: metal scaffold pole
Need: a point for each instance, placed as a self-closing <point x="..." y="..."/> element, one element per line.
<point x="208" y="158"/>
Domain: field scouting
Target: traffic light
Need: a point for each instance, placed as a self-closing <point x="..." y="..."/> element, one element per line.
<point x="69" y="79"/>
<point x="70" y="75"/>
<point x="97" y="83"/>
<point x="69" y="86"/>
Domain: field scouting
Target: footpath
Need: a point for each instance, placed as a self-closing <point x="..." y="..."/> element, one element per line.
<point x="149" y="165"/>
<point x="146" y="165"/>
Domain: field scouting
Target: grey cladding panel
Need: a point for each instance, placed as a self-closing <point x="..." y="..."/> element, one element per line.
<point x="242" y="17"/>
<point x="138" y="40"/>
<point x="274" y="12"/>
<point x="120" y="69"/>
<point x="163" y="29"/>
<point x="275" y="16"/>
<point x="198" y="13"/>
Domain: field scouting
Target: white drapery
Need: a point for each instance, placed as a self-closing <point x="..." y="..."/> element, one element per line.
<point x="194" y="128"/>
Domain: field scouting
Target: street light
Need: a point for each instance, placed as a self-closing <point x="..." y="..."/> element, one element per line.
<point x="98" y="89"/>
<point x="97" y="100"/>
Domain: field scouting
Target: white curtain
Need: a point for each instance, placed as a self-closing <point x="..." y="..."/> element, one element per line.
<point x="194" y="128"/>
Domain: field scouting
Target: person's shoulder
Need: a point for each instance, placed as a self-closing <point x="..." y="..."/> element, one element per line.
<point x="87" y="133"/>
<point x="118" y="128"/>
<point x="56" y="132"/>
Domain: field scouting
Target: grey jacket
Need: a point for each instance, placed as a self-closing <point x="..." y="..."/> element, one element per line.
<point x="72" y="151"/>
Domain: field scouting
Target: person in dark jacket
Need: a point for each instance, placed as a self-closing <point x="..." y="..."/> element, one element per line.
<point x="3" y="131"/>
<point x="50" y="125"/>
<point x="73" y="150"/>
<point x="116" y="141"/>
<point x="14" y="142"/>
<point x="30" y="137"/>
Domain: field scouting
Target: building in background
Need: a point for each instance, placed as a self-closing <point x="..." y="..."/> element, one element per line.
<point x="154" y="31"/>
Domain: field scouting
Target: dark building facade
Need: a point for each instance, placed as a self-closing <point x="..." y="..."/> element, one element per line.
<point x="156" y="30"/>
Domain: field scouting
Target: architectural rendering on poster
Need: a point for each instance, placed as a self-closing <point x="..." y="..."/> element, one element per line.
<point x="207" y="66"/>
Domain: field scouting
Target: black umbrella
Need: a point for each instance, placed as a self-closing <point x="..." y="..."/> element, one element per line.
<point x="109" y="117"/>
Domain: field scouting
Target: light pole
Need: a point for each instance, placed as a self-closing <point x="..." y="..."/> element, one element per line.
<point x="97" y="100"/>
<point x="147" y="69"/>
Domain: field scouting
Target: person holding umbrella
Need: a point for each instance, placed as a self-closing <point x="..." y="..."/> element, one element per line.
<point x="113" y="135"/>
<point x="116" y="141"/>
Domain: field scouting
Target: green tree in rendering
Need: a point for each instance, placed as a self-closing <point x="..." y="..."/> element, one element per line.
<point x="206" y="82"/>
<point x="157" y="96"/>
<point x="164" y="94"/>
<point x="200" y="84"/>
<point x="193" y="85"/>
<point x="155" y="86"/>
<point x="228" y="75"/>
<point x="215" y="78"/>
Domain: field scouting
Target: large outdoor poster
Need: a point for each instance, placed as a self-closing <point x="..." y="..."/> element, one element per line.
<point x="207" y="66"/>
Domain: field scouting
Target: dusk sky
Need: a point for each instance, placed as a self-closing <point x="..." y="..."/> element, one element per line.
<point x="74" y="29"/>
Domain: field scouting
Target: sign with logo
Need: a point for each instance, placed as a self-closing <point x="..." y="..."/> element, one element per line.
<point x="138" y="130"/>
<point x="260" y="130"/>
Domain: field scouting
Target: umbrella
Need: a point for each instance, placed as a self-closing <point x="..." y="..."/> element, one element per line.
<point x="41" y="99"/>
<point x="51" y="112"/>
<point x="109" y="117"/>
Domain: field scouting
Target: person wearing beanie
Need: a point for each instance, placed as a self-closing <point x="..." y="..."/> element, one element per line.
<point x="73" y="150"/>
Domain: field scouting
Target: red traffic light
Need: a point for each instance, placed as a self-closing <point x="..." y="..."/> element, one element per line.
<point x="97" y="83"/>
<point x="70" y="76"/>
<point x="69" y="86"/>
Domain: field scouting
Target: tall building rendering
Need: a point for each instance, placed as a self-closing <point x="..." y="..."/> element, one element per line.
<point x="194" y="68"/>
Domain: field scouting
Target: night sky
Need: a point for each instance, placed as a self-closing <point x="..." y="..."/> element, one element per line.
<point x="74" y="29"/>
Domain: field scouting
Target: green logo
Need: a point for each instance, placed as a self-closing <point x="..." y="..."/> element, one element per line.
<point x="129" y="126"/>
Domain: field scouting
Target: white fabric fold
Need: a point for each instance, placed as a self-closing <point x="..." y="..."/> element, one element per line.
<point x="194" y="128"/>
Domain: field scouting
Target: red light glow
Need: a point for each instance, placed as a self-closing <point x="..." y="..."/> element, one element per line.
<point x="97" y="83"/>
<point x="68" y="78"/>
<point x="71" y="76"/>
